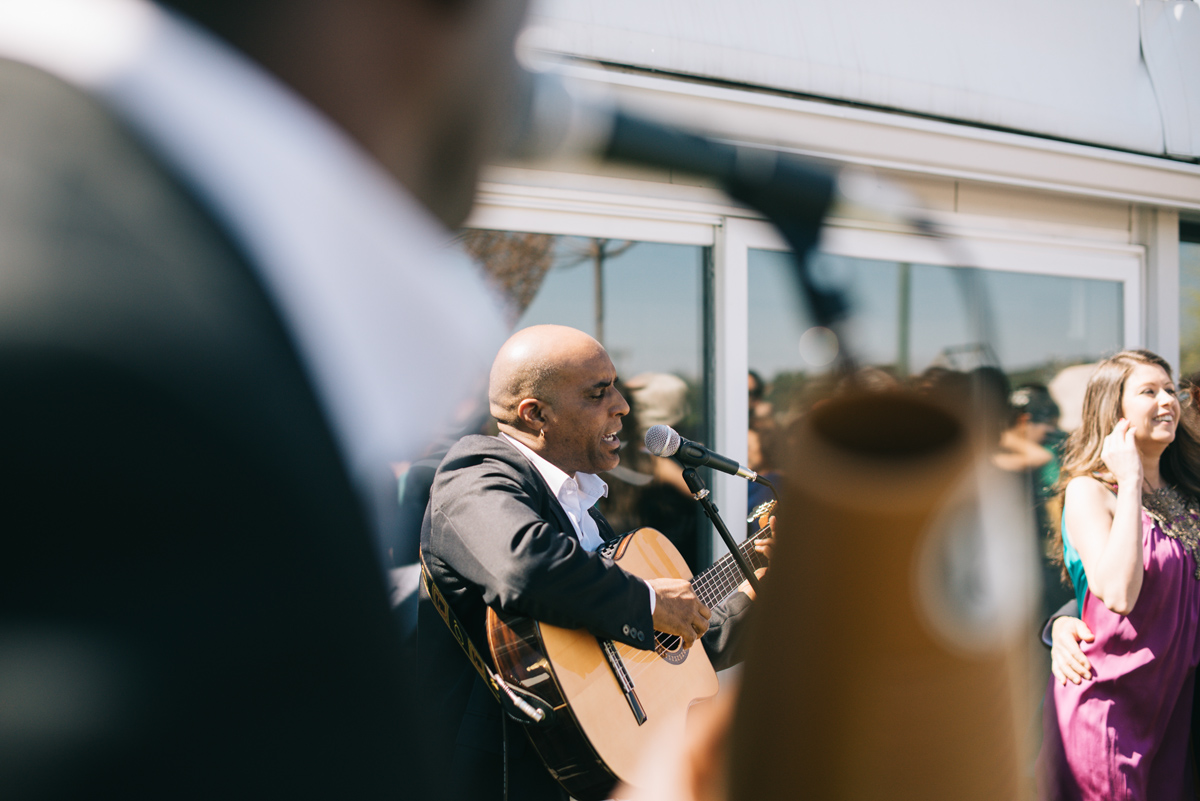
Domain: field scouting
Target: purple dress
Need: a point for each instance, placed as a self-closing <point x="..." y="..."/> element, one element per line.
<point x="1124" y="735"/>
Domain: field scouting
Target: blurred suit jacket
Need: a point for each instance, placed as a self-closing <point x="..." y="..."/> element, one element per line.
<point x="190" y="600"/>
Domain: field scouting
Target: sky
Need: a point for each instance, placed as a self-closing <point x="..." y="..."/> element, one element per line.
<point x="653" y="296"/>
<point x="1037" y="318"/>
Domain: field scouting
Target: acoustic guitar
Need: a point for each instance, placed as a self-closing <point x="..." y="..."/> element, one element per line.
<point x="609" y="699"/>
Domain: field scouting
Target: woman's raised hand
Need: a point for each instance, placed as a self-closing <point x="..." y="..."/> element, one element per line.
<point x="1120" y="455"/>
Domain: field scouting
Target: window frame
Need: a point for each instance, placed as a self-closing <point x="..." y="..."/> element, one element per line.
<point x="731" y="233"/>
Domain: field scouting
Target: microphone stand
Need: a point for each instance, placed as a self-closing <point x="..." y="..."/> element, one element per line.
<point x="701" y="494"/>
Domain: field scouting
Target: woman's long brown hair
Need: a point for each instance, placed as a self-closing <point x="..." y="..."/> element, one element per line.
<point x="1180" y="464"/>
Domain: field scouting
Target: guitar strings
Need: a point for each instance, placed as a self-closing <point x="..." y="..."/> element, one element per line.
<point x="719" y="581"/>
<point x="712" y="587"/>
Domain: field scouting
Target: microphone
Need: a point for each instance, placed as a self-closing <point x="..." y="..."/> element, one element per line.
<point x="559" y="121"/>
<point x="665" y="441"/>
<point x="563" y="120"/>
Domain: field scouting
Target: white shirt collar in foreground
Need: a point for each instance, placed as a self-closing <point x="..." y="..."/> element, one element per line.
<point x="384" y="313"/>
<point x="586" y="487"/>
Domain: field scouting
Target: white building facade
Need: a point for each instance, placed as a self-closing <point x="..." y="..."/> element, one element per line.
<point x="1058" y="140"/>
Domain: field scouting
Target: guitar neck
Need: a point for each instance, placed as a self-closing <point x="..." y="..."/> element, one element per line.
<point x="724" y="577"/>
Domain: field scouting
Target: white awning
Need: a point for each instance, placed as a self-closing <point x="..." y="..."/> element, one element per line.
<point x="1068" y="69"/>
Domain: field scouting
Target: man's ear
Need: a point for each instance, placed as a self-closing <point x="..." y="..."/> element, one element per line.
<point x="532" y="413"/>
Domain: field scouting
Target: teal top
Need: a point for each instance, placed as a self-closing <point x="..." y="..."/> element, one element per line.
<point x="1074" y="567"/>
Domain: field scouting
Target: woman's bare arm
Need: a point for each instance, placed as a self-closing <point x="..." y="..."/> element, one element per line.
<point x="1107" y="532"/>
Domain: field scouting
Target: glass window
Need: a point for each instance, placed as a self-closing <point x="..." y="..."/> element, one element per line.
<point x="646" y="302"/>
<point x="911" y="320"/>
<point x="906" y="318"/>
<point x="1189" y="298"/>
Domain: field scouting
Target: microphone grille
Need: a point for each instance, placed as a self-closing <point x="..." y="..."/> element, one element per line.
<point x="662" y="440"/>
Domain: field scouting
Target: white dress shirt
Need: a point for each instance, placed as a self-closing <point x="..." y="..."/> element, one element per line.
<point x="383" y="311"/>
<point x="576" y="495"/>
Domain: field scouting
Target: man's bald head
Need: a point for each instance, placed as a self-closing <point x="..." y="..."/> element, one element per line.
<point x="531" y="364"/>
<point x="554" y="390"/>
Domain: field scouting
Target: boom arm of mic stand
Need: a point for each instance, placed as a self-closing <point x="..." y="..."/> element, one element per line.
<point x="795" y="199"/>
<point x="700" y="493"/>
<point x="794" y="194"/>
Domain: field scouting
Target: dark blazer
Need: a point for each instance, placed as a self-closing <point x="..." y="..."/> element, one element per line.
<point x="495" y="535"/>
<point x="190" y="601"/>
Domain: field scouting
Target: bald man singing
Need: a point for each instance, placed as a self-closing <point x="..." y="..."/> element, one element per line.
<point x="512" y="524"/>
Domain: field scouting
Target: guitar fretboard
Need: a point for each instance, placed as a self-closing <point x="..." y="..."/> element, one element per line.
<point x="724" y="577"/>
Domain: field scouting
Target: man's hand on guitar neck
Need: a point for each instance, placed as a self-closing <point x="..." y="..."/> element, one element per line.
<point x="765" y="547"/>
<point x="745" y="587"/>
<point x="677" y="610"/>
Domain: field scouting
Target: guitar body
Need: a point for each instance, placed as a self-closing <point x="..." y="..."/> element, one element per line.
<point x="595" y="738"/>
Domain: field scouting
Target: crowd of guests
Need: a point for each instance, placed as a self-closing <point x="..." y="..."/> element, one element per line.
<point x="1117" y="510"/>
<point x="1020" y="427"/>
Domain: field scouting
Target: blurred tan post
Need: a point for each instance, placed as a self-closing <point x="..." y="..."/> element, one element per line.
<point x="853" y="689"/>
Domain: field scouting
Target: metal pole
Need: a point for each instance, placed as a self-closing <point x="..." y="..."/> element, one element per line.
<point x="700" y="493"/>
<point x="599" y="246"/>
<point x="904" y="324"/>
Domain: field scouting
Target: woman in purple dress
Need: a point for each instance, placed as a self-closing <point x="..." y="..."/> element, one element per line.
<point x="1131" y="478"/>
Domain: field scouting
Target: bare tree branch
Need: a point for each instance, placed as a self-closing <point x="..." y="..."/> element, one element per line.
<point x="515" y="262"/>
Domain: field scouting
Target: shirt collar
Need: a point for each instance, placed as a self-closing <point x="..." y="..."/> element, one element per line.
<point x="591" y="487"/>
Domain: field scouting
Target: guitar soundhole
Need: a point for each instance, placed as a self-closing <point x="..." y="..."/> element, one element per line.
<point x="670" y="648"/>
